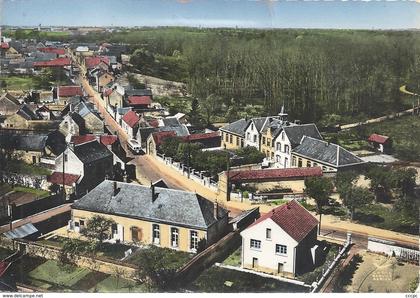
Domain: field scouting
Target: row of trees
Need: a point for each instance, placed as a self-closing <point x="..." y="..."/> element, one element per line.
<point x="315" y="73"/>
<point x="388" y="185"/>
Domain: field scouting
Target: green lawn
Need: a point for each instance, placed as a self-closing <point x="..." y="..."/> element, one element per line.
<point x="53" y="273"/>
<point x="113" y="251"/>
<point x="173" y="259"/>
<point x="40" y="193"/>
<point x="17" y="82"/>
<point x="20" y="167"/>
<point x="217" y="280"/>
<point x="113" y="284"/>
<point x="384" y="217"/>
<point x="234" y="259"/>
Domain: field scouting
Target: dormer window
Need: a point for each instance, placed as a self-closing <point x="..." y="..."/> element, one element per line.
<point x="282" y="136"/>
<point x="252" y="126"/>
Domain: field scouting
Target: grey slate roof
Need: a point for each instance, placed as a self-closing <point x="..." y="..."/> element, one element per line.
<point x="329" y="153"/>
<point x="26" y="112"/>
<point x="171" y="122"/>
<point x="259" y="122"/>
<point x="85" y="108"/>
<point x="180" y="131"/>
<point x="296" y="132"/>
<point x="92" y="151"/>
<point x="135" y="201"/>
<point x="238" y="127"/>
<point x="23" y="142"/>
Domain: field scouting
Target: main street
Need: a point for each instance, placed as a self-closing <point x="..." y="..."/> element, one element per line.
<point x="149" y="169"/>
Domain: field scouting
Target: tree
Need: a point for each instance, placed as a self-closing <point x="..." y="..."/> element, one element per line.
<point x="170" y="145"/>
<point x="381" y="182"/>
<point x="405" y="180"/>
<point x="319" y="189"/>
<point x="249" y="155"/>
<point x="344" y="180"/>
<point x="356" y="197"/>
<point x="153" y="268"/>
<point x="98" y="228"/>
<point x="134" y="82"/>
<point x="209" y="105"/>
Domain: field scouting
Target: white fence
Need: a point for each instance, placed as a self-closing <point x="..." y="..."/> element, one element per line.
<point x="391" y="248"/>
<point x="191" y="173"/>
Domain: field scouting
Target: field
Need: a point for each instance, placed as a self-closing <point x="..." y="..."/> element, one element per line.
<point x="381" y="274"/>
<point x="405" y="132"/>
<point x="17" y="82"/>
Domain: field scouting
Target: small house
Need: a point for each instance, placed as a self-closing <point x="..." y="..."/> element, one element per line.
<point x="380" y="143"/>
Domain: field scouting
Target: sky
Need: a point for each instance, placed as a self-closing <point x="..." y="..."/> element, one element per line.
<point x="351" y="14"/>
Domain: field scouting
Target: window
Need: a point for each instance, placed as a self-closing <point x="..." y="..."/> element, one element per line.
<point x="193" y="240"/>
<point x="255" y="138"/>
<point x="248" y="136"/>
<point x="286" y="148"/>
<point x="277" y="158"/>
<point x="226" y="137"/>
<point x="76" y="223"/>
<point x="231" y="139"/>
<point x="268" y="233"/>
<point x="308" y="163"/>
<point x="282" y="136"/>
<point x="66" y="157"/>
<point x="252" y="126"/>
<point x="315" y="164"/>
<point x="135" y="234"/>
<point x="156" y="234"/>
<point x="237" y="141"/>
<point x="82" y="223"/>
<point x="255" y="244"/>
<point x="294" y="161"/>
<point x="174" y="237"/>
<point x="286" y="162"/>
<point x="268" y="142"/>
<point x="263" y="140"/>
<point x="278" y="146"/>
<point x="300" y="162"/>
<point x="114" y="230"/>
<point x="281" y="249"/>
<point x="272" y="155"/>
<point x="242" y="142"/>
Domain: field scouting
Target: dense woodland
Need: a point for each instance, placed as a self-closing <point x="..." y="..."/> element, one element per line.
<point x="319" y="75"/>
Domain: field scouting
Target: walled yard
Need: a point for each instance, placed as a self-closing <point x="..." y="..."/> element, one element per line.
<point x="50" y="275"/>
<point x="381" y="274"/>
<point x="217" y="280"/>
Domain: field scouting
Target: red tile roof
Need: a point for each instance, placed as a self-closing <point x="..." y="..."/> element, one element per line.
<point x="92" y="62"/>
<point x="59" y="62"/>
<point x="271" y="174"/>
<point x="293" y="218"/>
<point x="202" y="136"/>
<point x="139" y="100"/>
<point x="57" y="178"/>
<point x="57" y="51"/>
<point x="77" y="140"/>
<point x="159" y="137"/>
<point x="378" y="138"/>
<point x="67" y="91"/>
<point x="154" y="122"/>
<point x="4" y="45"/>
<point x="108" y="139"/>
<point x="107" y="92"/>
<point x="131" y="118"/>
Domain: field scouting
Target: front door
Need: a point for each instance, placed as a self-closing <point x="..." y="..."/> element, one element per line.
<point x="254" y="262"/>
<point x="280" y="268"/>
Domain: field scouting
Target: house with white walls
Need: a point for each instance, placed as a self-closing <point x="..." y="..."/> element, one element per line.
<point x="281" y="242"/>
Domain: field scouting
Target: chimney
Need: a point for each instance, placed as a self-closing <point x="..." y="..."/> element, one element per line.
<point x="154" y="194"/>
<point x="216" y="210"/>
<point x="115" y="188"/>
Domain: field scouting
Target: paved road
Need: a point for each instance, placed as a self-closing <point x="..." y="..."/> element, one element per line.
<point x="38" y="217"/>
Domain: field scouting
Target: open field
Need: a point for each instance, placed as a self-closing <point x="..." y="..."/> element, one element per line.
<point x="382" y="274"/>
<point x="17" y="82"/>
<point x="405" y="132"/>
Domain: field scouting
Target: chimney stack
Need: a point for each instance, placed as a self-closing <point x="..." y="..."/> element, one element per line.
<point x="216" y="210"/>
<point x="116" y="190"/>
<point x="154" y="194"/>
